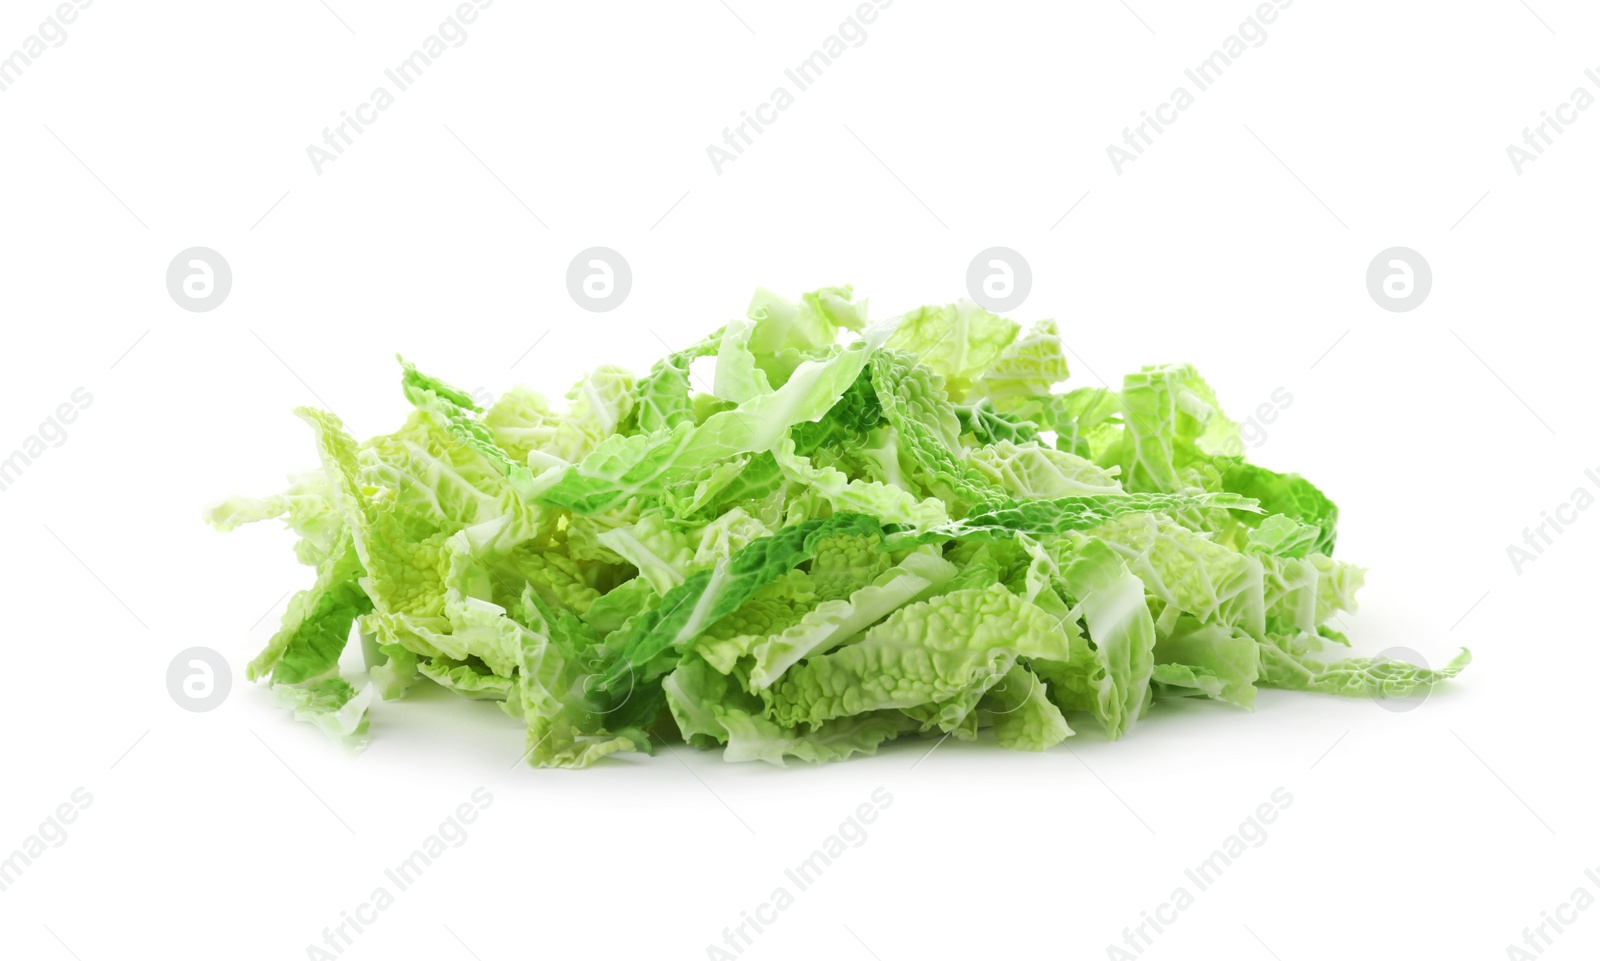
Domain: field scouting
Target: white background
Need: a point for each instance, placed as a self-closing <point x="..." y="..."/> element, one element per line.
<point x="1238" y="242"/>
